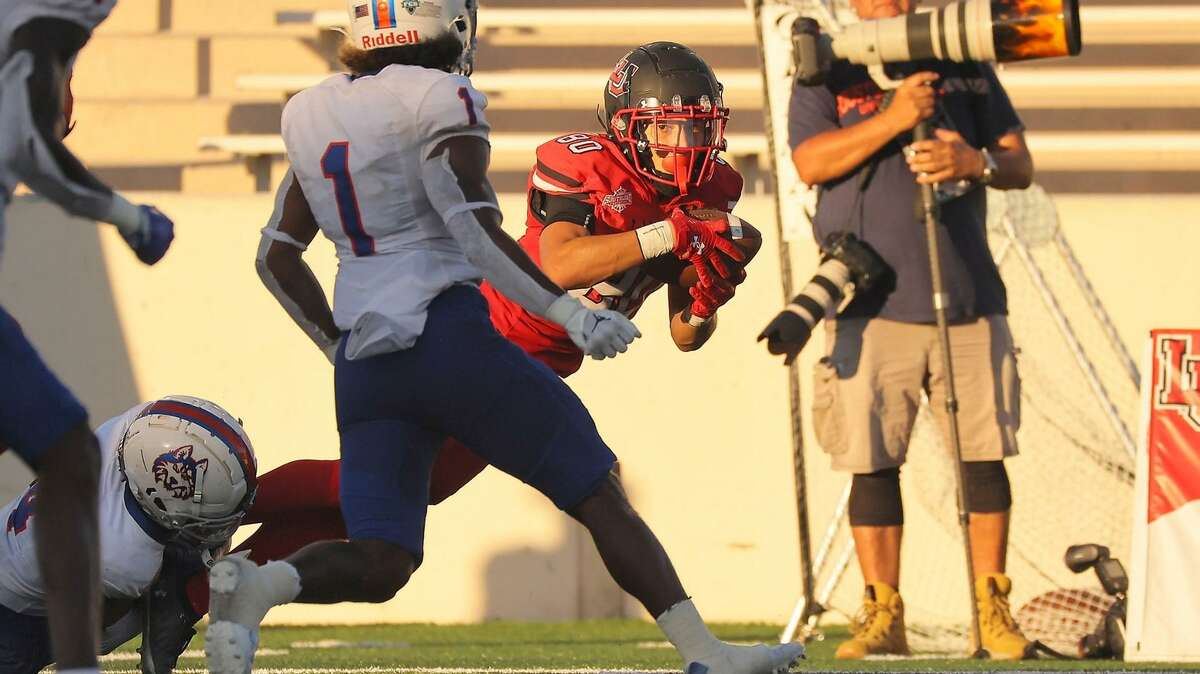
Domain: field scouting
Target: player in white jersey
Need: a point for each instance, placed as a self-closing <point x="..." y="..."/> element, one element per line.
<point x="39" y="418"/>
<point x="177" y="471"/>
<point x="390" y="163"/>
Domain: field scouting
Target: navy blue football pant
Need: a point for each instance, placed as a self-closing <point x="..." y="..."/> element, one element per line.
<point x="24" y="643"/>
<point x="36" y="410"/>
<point x="461" y="379"/>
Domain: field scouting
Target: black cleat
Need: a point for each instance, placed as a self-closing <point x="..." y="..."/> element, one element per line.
<point x="169" y="617"/>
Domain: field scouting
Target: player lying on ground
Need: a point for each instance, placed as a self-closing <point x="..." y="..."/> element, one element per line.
<point x="176" y="476"/>
<point x="392" y="167"/>
<point x="307" y="491"/>
<point x="39" y="418"/>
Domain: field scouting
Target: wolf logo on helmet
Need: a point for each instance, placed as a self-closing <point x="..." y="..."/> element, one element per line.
<point x="176" y="472"/>
<point x="190" y="467"/>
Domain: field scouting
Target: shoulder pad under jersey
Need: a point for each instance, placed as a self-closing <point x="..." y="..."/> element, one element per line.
<point x="577" y="163"/>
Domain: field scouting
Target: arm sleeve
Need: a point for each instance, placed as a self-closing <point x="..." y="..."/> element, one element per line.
<point x="503" y="268"/>
<point x="1001" y="118"/>
<point x="451" y="107"/>
<point x="812" y="110"/>
<point x="29" y="156"/>
<point x="271" y="235"/>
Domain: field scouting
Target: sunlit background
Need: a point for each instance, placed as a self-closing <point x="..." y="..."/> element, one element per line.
<point x="178" y="102"/>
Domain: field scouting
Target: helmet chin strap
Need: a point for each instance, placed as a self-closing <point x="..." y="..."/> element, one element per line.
<point x="201" y="473"/>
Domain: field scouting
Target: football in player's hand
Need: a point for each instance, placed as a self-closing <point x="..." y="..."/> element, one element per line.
<point x="745" y="236"/>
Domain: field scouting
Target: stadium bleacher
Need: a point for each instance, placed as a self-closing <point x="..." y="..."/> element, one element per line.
<point x="213" y="77"/>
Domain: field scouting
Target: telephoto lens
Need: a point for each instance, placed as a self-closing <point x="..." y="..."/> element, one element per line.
<point x="846" y="261"/>
<point x="968" y="30"/>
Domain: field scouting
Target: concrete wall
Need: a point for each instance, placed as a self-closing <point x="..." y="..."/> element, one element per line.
<point x="704" y="438"/>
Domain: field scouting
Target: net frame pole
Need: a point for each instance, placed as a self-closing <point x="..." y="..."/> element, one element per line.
<point x="800" y="614"/>
<point x="806" y="605"/>
<point x="1073" y="344"/>
<point x="929" y="208"/>
<point x="1097" y="309"/>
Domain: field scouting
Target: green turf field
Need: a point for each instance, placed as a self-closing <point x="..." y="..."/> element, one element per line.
<point x="508" y="647"/>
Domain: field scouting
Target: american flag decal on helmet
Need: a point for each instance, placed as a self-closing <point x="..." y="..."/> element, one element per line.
<point x="361" y="11"/>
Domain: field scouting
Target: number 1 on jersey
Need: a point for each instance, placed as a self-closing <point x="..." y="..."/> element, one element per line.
<point x="335" y="164"/>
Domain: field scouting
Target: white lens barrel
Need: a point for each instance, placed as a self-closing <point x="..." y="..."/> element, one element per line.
<point x="960" y="31"/>
<point x="822" y="294"/>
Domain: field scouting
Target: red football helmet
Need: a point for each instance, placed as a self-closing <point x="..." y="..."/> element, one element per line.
<point x="665" y="108"/>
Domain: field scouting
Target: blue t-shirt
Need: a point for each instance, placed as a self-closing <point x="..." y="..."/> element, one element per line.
<point x="881" y="204"/>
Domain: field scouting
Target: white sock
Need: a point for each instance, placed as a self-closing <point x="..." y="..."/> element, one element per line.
<point x="126" y="216"/>
<point x="283" y="581"/>
<point x="687" y="632"/>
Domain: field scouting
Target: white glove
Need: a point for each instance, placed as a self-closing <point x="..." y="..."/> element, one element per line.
<point x="600" y="334"/>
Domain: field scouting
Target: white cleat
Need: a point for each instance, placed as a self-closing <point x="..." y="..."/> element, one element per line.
<point x="237" y="604"/>
<point x="760" y="659"/>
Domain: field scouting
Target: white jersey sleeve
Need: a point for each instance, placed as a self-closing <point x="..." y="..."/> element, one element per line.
<point x="451" y="107"/>
<point x="130" y="547"/>
<point x="18" y="146"/>
<point x="16" y="13"/>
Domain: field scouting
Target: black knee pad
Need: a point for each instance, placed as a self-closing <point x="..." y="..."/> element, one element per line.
<point x="875" y="499"/>
<point x="988" y="490"/>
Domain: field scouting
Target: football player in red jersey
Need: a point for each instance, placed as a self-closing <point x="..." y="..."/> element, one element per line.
<point x="608" y="217"/>
<point x="609" y="212"/>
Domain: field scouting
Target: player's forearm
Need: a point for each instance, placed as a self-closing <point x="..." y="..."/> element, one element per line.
<point x="1014" y="168"/>
<point x="690" y="337"/>
<point x="455" y="179"/>
<point x="292" y="283"/>
<point x="45" y="164"/>
<point x="584" y="261"/>
<point x="504" y="264"/>
<point x="833" y="154"/>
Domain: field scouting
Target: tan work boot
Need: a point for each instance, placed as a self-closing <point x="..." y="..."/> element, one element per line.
<point x="999" y="633"/>
<point x="879" y="626"/>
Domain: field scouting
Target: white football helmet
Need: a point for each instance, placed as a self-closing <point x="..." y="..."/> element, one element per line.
<point x="375" y="24"/>
<point x="191" y="468"/>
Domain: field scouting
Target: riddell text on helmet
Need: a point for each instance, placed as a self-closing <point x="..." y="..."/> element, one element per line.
<point x="391" y="39"/>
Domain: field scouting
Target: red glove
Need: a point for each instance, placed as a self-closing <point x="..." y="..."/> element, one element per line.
<point x="706" y="299"/>
<point x="700" y="242"/>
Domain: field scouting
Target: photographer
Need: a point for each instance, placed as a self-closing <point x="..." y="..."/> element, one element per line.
<point x="856" y="144"/>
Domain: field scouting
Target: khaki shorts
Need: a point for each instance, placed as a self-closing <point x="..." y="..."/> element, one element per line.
<point x="867" y="390"/>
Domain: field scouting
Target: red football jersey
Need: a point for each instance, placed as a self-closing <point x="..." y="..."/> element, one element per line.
<point x="591" y="168"/>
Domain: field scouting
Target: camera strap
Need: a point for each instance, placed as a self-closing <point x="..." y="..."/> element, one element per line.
<point x="866" y="173"/>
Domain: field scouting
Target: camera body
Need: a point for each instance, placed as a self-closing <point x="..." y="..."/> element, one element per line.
<point x="846" y="260"/>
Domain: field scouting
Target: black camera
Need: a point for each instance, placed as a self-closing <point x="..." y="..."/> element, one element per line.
<point x="1108" y="639"/>
<point x="845" y="260"/>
